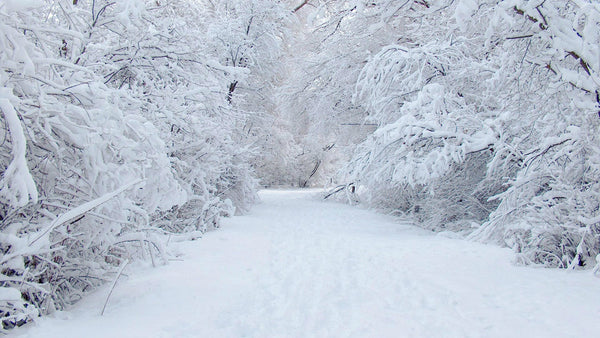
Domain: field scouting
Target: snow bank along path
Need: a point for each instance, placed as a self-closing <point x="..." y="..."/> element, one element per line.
<point x="299" y="267"/>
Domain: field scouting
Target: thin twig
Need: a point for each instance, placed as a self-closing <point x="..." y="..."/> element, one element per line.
<point x="114" y="283"/>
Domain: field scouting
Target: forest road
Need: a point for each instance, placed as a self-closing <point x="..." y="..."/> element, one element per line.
<point x="296" y="266"/>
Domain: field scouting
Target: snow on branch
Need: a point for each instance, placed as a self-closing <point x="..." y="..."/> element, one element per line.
<point x="82" y="209"/>
<point x="17" y="186"/>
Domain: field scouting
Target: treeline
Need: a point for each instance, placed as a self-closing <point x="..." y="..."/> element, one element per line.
<point x="127" y="124"/>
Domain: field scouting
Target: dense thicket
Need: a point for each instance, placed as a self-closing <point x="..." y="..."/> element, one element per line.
<point x="487" y="118"/>
<point x="123" y="124"/>
<point x="131" y="122"/>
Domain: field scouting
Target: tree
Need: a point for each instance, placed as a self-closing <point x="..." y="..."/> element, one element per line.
<point x="118" y="132"/>
<point x="489" y="124"/>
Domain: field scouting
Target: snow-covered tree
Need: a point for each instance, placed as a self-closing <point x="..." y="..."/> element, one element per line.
<point x="489" y="117"/>
<point x="73" y="147"/>
<point x="331" y="41"/>
<point x="117" y="130"/>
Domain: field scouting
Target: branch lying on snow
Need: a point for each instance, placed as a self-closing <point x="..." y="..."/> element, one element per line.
<point x="338" y="189"/>
<point x="82" y="209"/>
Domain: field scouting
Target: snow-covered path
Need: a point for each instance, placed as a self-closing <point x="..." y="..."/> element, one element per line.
<point x="298" y="267"/>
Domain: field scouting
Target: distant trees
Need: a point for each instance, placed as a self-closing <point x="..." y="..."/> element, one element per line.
<point x="250" y="38"/>
<point x="332" y="39"/>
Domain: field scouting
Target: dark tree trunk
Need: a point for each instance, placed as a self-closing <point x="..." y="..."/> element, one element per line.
<point x="231" y="89"/>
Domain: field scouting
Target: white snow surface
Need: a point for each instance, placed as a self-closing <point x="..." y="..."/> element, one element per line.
<point x="299" y="267"/>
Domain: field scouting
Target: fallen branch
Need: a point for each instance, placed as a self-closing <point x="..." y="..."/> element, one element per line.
<point x="338" y="189"/>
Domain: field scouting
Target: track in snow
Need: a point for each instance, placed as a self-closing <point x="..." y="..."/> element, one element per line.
<point x="299" y="267"/>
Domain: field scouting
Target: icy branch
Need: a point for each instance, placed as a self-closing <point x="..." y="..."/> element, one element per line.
<point x="82" y="209"/>
<point x="17" y="185"/>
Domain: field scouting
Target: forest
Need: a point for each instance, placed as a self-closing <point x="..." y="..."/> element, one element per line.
<point x="129" y="124"/>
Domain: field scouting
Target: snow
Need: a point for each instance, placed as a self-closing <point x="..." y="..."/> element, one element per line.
<point x="296" y="266"/>
<point x="10" y="294"/>
<point x="17" y="186"/>
<point x="82" y="209"/>
<point x="19" y="5"/>
<point x="464" y="10"/>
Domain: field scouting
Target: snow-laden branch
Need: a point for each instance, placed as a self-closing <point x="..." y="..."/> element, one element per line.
<point x="17" y="186"/>
<point x="80" y="210"/>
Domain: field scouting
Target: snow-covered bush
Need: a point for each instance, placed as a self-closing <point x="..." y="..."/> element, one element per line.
<point x="161" y="59"/>
<point x="488" y="117"/>
<point x="549" y="213"/>
<point x="80" y="147"/>
<point x="429" y="154"/>
<point x="116" y="129"/>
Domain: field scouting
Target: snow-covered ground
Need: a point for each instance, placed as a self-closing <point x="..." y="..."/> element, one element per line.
<point x="299" y="267"/>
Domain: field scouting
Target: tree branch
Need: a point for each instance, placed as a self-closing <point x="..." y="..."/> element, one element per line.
<point x="305" y="2"/>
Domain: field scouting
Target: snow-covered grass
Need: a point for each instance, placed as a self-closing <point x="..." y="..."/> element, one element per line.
<point x="298" y="267"/>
